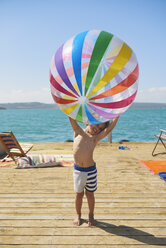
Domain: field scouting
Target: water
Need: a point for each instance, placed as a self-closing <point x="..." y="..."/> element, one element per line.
<point x="52" y="125"/>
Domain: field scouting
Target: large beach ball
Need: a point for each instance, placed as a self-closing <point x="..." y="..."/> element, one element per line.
<point x="94" y="77"/>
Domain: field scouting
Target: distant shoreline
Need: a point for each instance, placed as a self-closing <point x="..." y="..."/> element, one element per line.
<point x="39" y="105"/>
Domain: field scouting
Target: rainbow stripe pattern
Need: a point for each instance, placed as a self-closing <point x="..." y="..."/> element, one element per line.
<point x="94" y="77"/>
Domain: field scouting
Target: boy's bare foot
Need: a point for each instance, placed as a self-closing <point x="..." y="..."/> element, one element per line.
<point x="91" y="221"/>
<point x="77" y="220"/>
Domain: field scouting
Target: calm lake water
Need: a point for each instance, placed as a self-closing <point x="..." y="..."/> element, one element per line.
<point x="52" y="125"/>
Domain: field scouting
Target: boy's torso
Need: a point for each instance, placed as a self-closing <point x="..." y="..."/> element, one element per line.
<point x="83" y="148"/>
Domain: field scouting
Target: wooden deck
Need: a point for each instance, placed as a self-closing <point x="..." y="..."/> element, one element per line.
<point x="37" y="207"/>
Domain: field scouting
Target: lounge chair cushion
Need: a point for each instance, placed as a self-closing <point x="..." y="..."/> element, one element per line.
<point x="37" y="161"/>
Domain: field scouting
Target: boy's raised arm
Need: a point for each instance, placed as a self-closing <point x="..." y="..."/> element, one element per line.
<point x="108" y="129"/>
<point x="76" y="128"/>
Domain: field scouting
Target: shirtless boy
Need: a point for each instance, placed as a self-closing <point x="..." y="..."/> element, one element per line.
<point x="85" y="172"/>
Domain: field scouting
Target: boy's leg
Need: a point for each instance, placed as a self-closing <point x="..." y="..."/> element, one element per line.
<point x="78" y="206"/>
<point x="91" y="203"/>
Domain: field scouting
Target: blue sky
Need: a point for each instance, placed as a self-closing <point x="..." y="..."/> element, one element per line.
<point x="31" y="32"/>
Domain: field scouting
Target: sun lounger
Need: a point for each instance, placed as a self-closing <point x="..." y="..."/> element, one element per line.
<point x="12" y="147"/>
<point x="161" y="137"/>
<point x="3" y="153"/>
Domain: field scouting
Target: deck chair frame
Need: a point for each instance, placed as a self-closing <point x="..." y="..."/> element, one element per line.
<point x="161" y="137"/>
<point x="12" y="146"/>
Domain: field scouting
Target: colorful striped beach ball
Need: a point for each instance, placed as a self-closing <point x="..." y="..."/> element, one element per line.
<point x="94" y="77"/>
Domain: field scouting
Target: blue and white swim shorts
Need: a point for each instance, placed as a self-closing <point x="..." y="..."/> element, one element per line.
<point x="85" y="178"/>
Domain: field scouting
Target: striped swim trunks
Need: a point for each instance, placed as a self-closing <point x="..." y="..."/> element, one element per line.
<point x="85" y="178"/>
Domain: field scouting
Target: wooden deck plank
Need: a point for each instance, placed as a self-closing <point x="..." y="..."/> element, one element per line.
<point x="66" y="211"/>
<point x="64" y="191"/>
<point x="81" y="246"/>
<point x="104" y="230"/>
<point x="77" y="240"/>
<point x="65" y="199"/>
<point x="58" y="216"/>
<point x="62" y="204"/>
<point x="68" y="223"/>
<point x="69" y="195"/>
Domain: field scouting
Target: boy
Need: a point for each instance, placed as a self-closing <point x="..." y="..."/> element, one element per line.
<point x="85" y="173"/>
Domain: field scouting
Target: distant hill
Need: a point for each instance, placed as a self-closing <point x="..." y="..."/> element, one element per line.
<point x="148" y="105"/>
<point x="27" y="105"/>
<point x="39" y="105"/>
